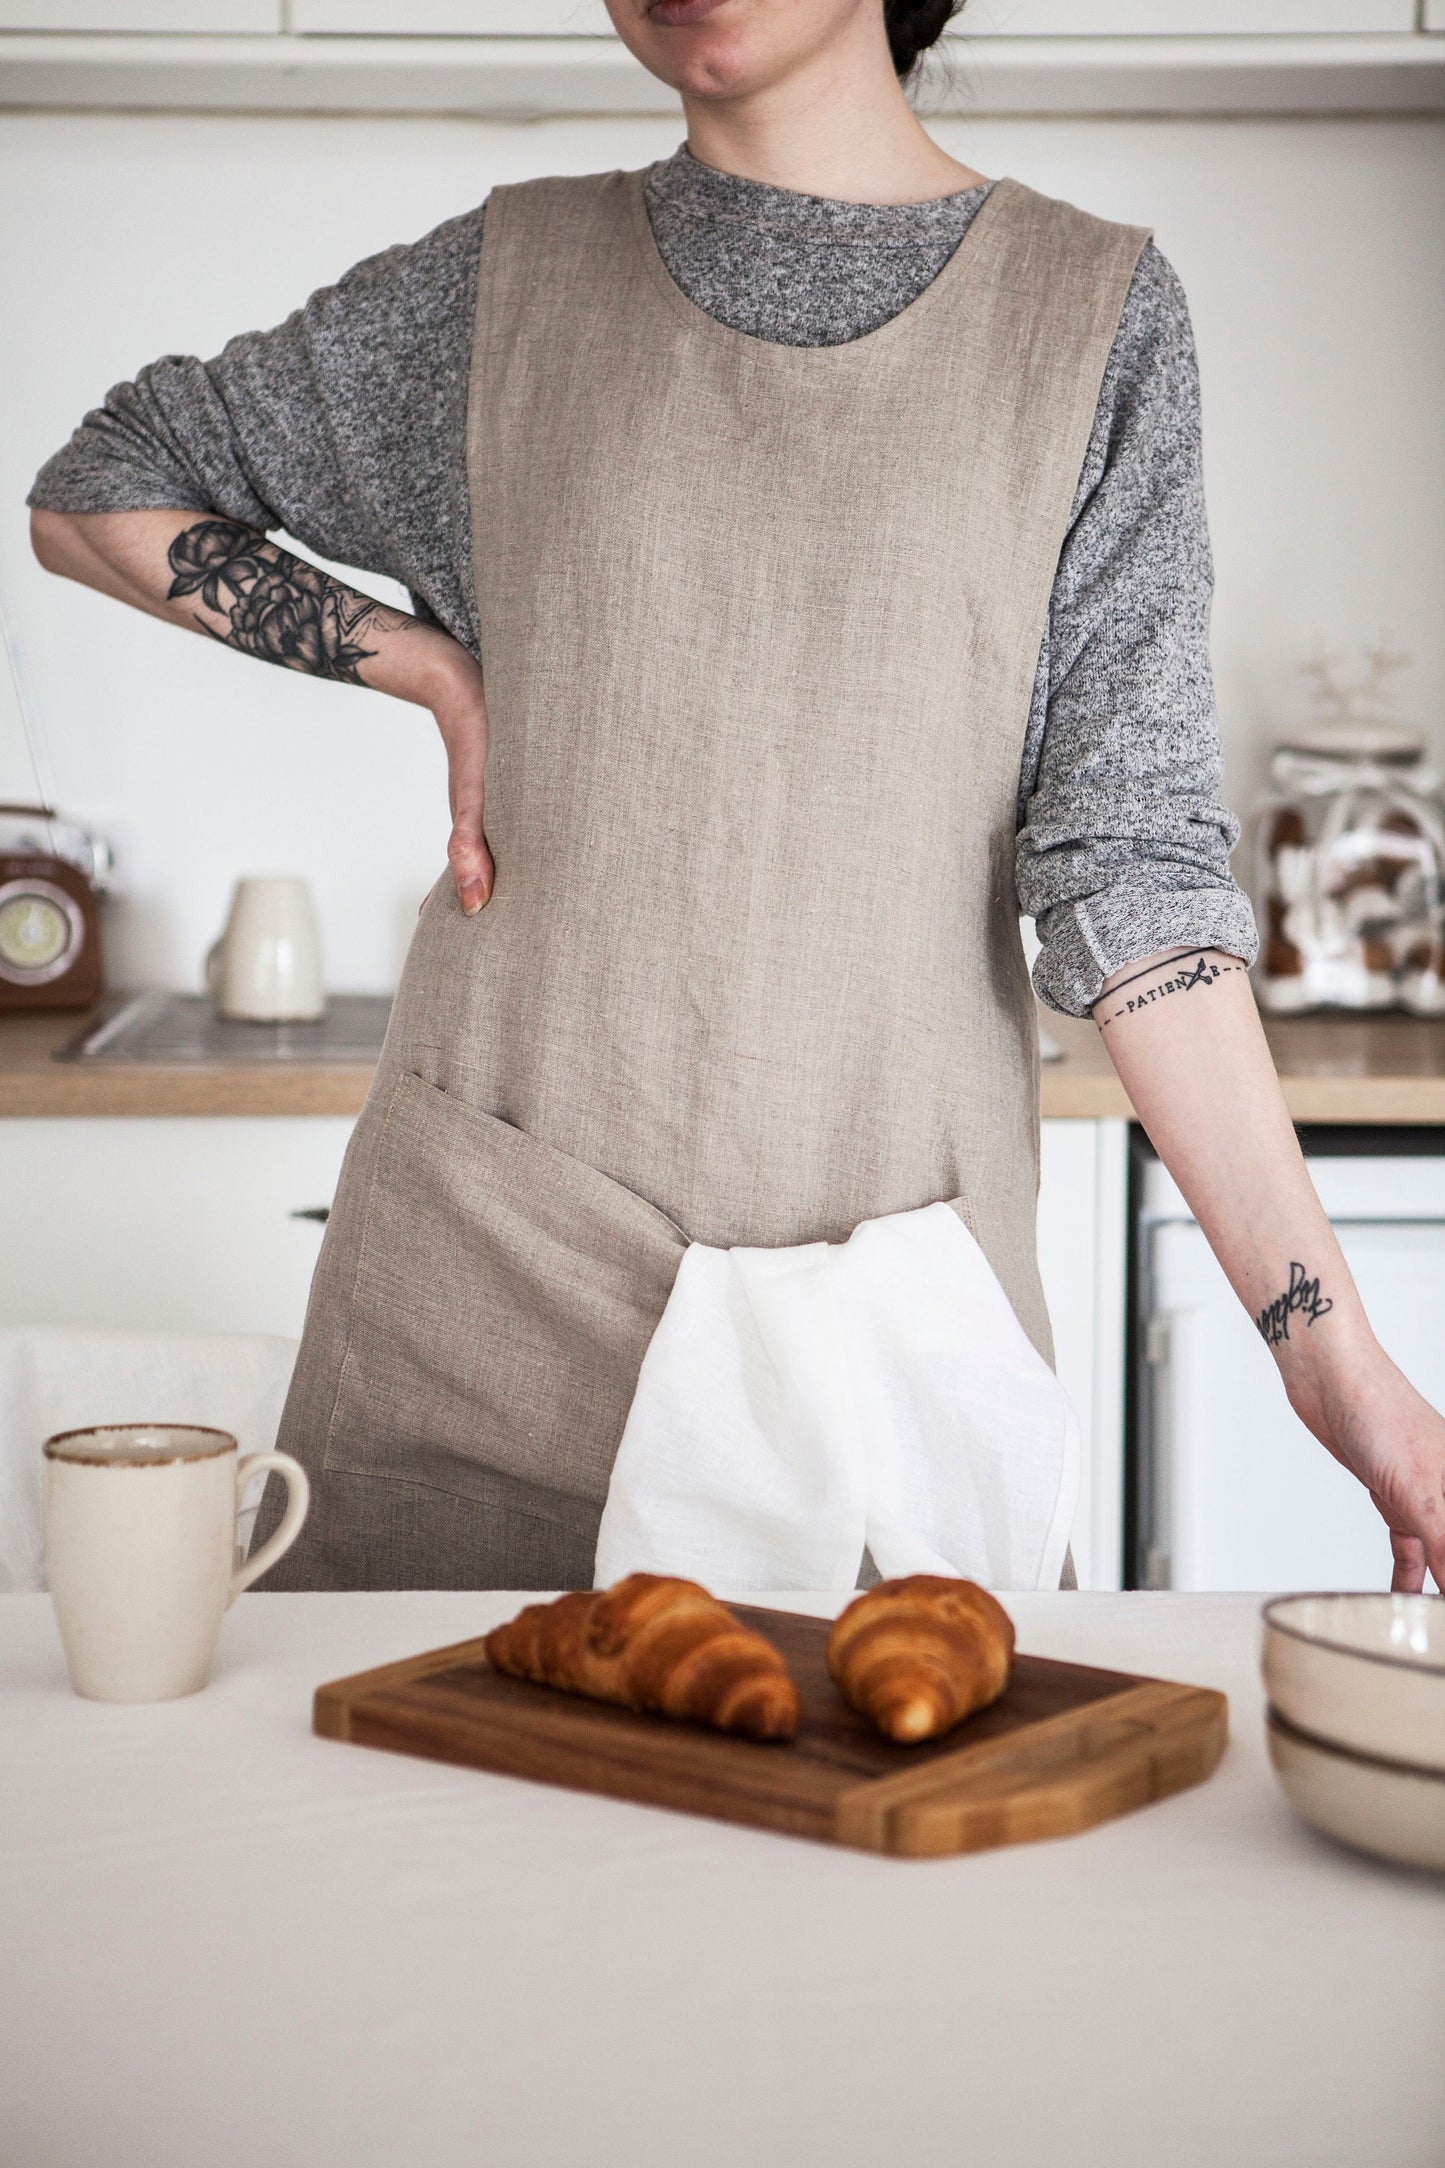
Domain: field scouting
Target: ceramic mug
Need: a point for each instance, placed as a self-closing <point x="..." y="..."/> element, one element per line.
<point x="141" y="1554"/>
<point x="266" y="967"/>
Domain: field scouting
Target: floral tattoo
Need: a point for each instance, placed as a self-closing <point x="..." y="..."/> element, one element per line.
<point x="281" y="609"/>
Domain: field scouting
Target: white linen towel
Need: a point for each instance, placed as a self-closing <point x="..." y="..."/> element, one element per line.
<point x="796" y="1403"/>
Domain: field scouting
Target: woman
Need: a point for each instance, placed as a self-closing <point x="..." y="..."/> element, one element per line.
<point x="827" y="519"/>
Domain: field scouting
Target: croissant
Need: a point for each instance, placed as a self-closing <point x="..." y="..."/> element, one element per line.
<point x="918" y="1655"/>
<point x="654" y="1644"/>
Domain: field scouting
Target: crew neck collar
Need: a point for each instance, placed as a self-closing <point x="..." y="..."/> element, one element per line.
<point x="683" y="184"/>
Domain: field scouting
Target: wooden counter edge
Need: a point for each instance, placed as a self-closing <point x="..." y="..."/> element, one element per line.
<point x="1372" y="1071"/>
<point x="1415" y="1102"/>
<point x="1366" y="1101"/>
<point x="139" y="1092"/>
<point x="66" y="1090"/>
<point x="1345" y="1071"/>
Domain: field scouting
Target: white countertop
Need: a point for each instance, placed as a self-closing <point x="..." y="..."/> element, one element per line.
<point x="228" y="1943"/>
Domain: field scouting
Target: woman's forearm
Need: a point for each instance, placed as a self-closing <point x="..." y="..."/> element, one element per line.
<point x="218" y="577"/>
<point x="229" y="582"/>
<point x="1185" y="1037"/>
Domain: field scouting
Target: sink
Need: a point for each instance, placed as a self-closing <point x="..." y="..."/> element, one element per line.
<point x="176" y="1030"/>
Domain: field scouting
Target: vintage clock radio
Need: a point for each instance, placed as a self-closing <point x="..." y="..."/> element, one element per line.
<point x="51" y="875"/>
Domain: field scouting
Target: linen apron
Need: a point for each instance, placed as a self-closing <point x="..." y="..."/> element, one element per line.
<point x="760" y="626"/>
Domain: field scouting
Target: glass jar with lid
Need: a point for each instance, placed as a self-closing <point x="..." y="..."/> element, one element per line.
<point x="1350" y="859"/>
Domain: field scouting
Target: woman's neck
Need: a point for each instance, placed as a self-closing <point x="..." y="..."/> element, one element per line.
<point x="839" y="127"/>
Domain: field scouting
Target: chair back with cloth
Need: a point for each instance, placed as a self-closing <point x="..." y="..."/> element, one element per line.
<point x="61" y="1377"/>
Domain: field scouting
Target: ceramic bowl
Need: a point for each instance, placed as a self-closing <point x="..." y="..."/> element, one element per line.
<point x="1376" y="1806"/>
<point x="1362" y="1672"/>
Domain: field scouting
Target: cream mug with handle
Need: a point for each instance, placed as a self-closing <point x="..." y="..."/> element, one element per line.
<point x="141" y="1555"/>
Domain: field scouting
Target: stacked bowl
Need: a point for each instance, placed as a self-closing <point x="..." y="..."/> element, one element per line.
<point x="1356" y="1721"/>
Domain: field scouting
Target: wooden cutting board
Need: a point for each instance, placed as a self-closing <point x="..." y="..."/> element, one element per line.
<point x="1067" y="1746"/>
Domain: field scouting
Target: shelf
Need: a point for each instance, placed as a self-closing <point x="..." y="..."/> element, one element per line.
<point x="997" y="18"/>
<point x="530" y="78"/>
<point x="261" y="17"/>
<point x="1168" y="75"/>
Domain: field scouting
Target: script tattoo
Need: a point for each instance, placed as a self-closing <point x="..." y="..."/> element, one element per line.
<point x="279" y="608"/>
<point x="1302" y="1297"/>
<point x="1185" y="973"/>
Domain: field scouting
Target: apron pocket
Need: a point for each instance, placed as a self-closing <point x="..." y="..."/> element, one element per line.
<point x="503" y="1298"/>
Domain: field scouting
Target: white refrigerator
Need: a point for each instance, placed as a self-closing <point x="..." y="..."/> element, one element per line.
<point x="1232" y="1492"/>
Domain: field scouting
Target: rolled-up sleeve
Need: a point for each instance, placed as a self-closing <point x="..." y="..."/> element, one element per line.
<point x="341" y="425"/>
<point x="1123" y="844"/>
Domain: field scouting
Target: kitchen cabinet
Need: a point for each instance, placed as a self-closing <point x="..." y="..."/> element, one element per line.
<point x="1185" y="18"/>
<point x="1004" y="18"/>
<point x="1082" y="1229"/>
<point x="453" y="18"/>
<point x="525" y="59"/>
<point x="184" y="1225"/>
<point x="117" y="16"/>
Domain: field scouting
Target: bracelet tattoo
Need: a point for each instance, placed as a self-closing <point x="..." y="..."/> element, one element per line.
<point x="1190" y="969"/>
<point x="1302" y="1296"/>
<point x="280" y="608"/>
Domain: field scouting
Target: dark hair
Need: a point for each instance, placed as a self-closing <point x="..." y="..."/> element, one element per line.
<point x="914" y="25"/>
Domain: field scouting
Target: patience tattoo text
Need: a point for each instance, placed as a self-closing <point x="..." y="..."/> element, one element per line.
<point x="1302" y="1297"/>
<point x="1195" y="968"/>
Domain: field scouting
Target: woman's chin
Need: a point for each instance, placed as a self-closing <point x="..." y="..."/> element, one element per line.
<point x="716" y="69"/>
<point x="704" y="48"/>
<point x="715" y="78"/>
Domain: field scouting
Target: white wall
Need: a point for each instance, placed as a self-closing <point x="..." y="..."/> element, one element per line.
<point x="1310" y="250"/>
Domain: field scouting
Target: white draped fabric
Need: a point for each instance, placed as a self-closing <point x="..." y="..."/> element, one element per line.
<point x="795" y="1404"/>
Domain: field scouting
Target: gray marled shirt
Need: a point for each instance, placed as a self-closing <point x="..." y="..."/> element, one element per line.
<point x="344" y="426"/>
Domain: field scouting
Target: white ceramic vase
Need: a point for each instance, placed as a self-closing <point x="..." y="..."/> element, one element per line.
<point x="266" y="967"/>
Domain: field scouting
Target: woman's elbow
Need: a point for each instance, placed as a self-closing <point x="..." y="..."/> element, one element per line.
<point x="52" y="538"/>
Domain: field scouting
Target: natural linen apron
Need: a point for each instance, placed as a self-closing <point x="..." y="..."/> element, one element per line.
<point x="760" y="626"/>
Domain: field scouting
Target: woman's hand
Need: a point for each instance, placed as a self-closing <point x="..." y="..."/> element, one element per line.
<point x="1368" y="1414"/>
<point x="461" y="713"/>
